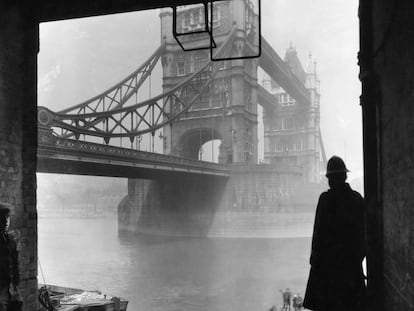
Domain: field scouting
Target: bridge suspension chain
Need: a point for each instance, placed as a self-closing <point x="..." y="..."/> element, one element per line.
<point x="108" y="115"/>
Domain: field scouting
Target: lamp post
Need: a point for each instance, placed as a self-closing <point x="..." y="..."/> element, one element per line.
<point x="139" y="142"/>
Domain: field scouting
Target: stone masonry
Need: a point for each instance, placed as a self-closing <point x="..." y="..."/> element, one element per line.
<point x="393" y="43"/>
<point x="18" y="135"/>
<point x="387" y="71"/>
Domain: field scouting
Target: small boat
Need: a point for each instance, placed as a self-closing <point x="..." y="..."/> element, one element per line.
<point x="59" y="298"/>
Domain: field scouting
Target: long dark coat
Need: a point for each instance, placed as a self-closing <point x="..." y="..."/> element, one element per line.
<point x="9" y="273"/>
<point x="9" y="266"/>
<point x="336" y="279"/>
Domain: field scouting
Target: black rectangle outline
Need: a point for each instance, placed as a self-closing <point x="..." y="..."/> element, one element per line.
<point x="241" y="57"/>
<point x="207" y="30"/>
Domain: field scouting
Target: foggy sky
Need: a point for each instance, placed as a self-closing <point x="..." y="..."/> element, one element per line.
<point x="80" y="58"/>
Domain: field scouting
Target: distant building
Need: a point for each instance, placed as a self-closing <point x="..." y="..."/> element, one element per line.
<point x="291" y="131"/>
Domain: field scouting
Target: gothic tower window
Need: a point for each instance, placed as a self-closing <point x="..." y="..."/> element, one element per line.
<point x="298" y="142"/>
<point x="288" y="123"/>
<point x="196" y="62"/>
<point x="278" y="124"/>
<point x="224" y="98"/>
<point x="194" y="17"/>
<point x="186" y="20"/>
<point x="216" y="15"/>
<point x="224" y="64"/>
<point x="286" y="100"/>
<point x="278" y="144"/>
<point x="290" y="145"/>
<point x="180" y="68"/>
<point x="300" y="122"/>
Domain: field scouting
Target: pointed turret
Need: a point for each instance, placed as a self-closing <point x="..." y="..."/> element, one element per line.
<point x="309" y="65"/>
<point x="310" y="81"/>
<point x="292" y="59"/>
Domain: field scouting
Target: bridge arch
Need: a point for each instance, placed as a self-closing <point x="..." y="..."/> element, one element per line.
<point x="191" y="141"/>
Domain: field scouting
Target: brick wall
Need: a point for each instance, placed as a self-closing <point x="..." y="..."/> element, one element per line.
<point x="18" y="135"/>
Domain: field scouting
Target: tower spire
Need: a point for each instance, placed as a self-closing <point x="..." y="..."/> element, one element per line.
<point x="309" y="65"/>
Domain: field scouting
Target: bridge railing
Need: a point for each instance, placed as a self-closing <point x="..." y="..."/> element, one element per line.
<point x="51" y="144"/>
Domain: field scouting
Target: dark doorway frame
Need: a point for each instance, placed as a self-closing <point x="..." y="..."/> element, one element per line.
<point x="53" y="10"/>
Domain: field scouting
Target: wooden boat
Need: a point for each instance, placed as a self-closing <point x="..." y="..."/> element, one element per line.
<point x="59" y="298"/>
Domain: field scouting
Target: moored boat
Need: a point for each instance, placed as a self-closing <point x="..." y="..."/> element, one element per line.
<point x="59" y="298"/>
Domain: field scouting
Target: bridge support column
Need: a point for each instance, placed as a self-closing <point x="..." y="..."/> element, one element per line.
<point x="143" y="198"/>
<point x="171" y="205"/>
<point x="210" y="206"/>
<point x="19" y="39"/>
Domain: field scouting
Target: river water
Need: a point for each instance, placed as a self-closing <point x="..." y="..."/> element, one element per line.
<point x="161" y="273"/>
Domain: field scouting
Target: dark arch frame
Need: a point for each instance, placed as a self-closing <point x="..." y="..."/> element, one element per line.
<point x="36" y="12"/>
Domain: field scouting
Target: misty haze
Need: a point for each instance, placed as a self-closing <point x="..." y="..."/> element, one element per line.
<point x="181" y="183"/>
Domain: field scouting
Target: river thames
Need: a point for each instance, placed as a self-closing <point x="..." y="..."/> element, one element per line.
<point x="164" y="273"/>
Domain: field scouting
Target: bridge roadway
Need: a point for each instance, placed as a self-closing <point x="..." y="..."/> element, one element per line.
<point x="69" y="156"/>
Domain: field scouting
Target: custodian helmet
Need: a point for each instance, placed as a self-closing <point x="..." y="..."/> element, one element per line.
<point x="5" y="209"/>
<point x="336" y="165"/>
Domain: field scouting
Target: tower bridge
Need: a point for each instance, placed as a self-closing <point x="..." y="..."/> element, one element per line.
<point x="201" y="101"/>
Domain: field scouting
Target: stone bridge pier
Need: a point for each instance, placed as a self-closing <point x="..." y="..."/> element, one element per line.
<point x="190" y="205"/>
<point x="171" y="205"/>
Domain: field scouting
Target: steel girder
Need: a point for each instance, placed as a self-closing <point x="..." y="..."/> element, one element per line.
<point x="109" y="114"/>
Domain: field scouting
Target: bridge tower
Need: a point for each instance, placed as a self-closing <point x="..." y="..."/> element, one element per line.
<point x="227" y="111"/>
<point x="291" y="131"/>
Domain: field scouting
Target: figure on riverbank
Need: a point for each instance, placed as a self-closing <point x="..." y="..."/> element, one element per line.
<point x="297" y="302"/>
<point x="336" y="279"/>
<point x="287" y="296"/>
<point x="273" y="308"/>
<point x="10" y="298"/>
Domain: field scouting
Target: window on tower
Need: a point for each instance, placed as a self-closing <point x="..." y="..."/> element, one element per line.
<point x="197" y="61"/>
<point x="224" y="64"/>
<point x="192" y="18"/>
<point x="180" y="68"/>
<point x="290" y="144"/>
<point x="216" y="16"/>
<point x="198" y="15"/>
<point x="224" y="99"/>
<point x="278" y="124"/>
<point x="186" y="20"/>
<point x="278" y="144"/>
<point x="300" y="122"/>
<point x="298" y="142"/>
<point x="288" y="123"/>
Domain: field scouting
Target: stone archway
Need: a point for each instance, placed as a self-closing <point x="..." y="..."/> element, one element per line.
<point x="192" y="140"/>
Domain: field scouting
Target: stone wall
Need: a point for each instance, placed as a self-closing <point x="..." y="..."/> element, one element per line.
<point x="393" y="73"/>
<point x="18" y="134"/>
<point x="174" y="205"/>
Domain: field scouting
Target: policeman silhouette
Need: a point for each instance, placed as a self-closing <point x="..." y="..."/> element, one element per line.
<point x="336" y="280"/>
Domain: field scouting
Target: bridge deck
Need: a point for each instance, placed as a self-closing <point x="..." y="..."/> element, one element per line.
<point x="68" y="156"/>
